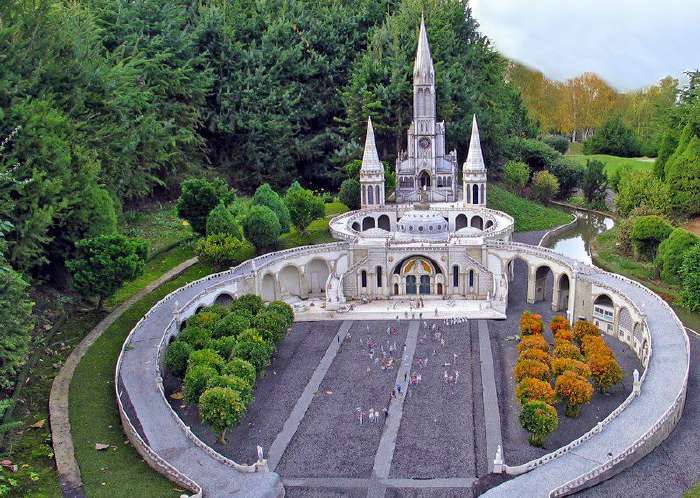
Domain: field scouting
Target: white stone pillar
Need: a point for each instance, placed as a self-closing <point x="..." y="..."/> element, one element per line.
<point x="531" y="283"/>
<point x="555" y="292"/>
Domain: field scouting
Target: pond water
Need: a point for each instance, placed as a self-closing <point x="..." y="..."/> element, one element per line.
<point x="576" y="241"/>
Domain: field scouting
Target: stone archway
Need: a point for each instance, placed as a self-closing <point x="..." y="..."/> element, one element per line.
<point x="289" y="280"/>
<point x="604" y="313"/>
<point x="544" y="283"/>
<point x="461" y="221"/>
<point x="356" y="226"/>
<point x="417" y="275"/>
<point x="317" y="272"/>
<point x="224" y="299"/>
<point x="477" y="222"/>
<point x="489" y="224"/>
<point x="424" y="179"/>
<point x="267" y="287"/>
<point x="384" y="223"/>
<point x="367" y="223"/>
<point x="563" y="287"/>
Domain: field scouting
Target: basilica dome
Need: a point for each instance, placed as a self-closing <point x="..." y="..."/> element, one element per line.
<point x="422" y="225"/>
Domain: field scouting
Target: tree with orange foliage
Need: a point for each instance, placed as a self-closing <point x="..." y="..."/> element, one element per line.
<point x="561" y="365"/>
<point x="559" y="322"/>
<point x="535" y="354"/>
<point x="530" y="368"/>
<point x="530" y="389"/>
<point x="605" y="370"/>
<point x="533" y="342"/>
<point x="583" y="328"/>
<point x="566" y="349"/>
<point x="531" y="323"/>
<point x="564" y="335"/>
<point x="594" y="344"/>
<point x="575" y="390"/>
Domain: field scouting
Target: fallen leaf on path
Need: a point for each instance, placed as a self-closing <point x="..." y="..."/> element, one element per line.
<point x="101" y="446"/>
<point x="39" y="424"/>
<point x="178" y="395"/>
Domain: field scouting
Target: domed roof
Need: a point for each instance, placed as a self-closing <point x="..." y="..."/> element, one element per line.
<point x="422" y="225"/>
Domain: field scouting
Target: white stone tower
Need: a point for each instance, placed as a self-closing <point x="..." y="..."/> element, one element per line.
<point x="371" y="173"/>
<point x="474" y="171"/>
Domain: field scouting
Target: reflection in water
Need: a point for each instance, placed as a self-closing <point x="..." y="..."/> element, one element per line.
<point x="576" y="242"/>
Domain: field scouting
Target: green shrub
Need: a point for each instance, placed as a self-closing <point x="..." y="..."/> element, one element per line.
<point x="223" y="250"/>
<point x="594" y="183"/>
<point x="647" y="233"/>
<point x="614" y="138"/>
<point x="350" y="193"/>
<point x="544" y="186"/>
<point x="241" y="368"/>
<point x="232" y="324"/>
<point x="569" y="174"/>
<point x="199" y="196"/>
<point x="221" y="408"/>
<point x="239" y="385"/>
<point x="682" y="173"/>
<point x="516" y="175"/>
<point x="535" y="153"/>
<point x="196" y="336"/>
<point x="690" y="293"/>
<point x="557" y="142"/>
<point x="670" y="254"/>
<point x="285" y="310"/>
<point x="304" y="206"/>
<point x="539" y="419"/>
<point x="176" y="357"/>
<point x="265" y="196"/>
<point x="222" y="221"/>
<point x="271" y="325"/>
<point x="206" y="318"/>
<point x="207" y="357"/>
<point x="256" y="352"/>
<point x="249" y="302"/>
<point x="261" y="227"/>
<point x="223" y="346"/>
<point x="642" y="189"/>
<point x="196" y="380"/>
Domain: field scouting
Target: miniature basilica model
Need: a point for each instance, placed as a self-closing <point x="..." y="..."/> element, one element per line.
<point x="431" y="242"/>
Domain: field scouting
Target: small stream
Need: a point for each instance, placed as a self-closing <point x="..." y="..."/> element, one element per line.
<point x="576" y="241"/>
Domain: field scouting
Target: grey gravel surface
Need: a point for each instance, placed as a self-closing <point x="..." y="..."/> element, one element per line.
<point x="276" y="392"/>
<point x="293" y="492"/>
<point x="428" y="493"/>
<point x="330" y="441"/>
<point x="437" y="434"/>
<point x="516" y="448"/>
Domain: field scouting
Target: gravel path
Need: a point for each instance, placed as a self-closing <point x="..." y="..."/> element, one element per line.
<point x="275" y="393"/>
<point x="437" y="435"/>
<point x="330" y="441"/>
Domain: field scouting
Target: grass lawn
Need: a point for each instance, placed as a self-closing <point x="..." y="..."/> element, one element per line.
<point x="615" y="163"/>
<point x="605" y="256"/>
<point x="529" y="215"/>
<point x="159" y="225"/>
<point x="118" y="471"/>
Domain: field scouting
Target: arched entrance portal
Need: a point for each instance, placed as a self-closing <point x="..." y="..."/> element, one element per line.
<point x="563" y="303"/>
<point x="417" y="275"/>
<point x="424" y="179"/>
<point x="460" y="221"/>
<point x="317" y="274"/>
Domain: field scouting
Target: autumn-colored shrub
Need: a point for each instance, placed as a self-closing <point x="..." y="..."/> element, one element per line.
<point x="564" y="335"/>
<point x="575" y="390"/>
<point x="530" y="368"/>
<point x="594" y="345"/>
<point x="531" y="323"/>
<point x="605" y="370"/>
<point x="530" y="389"/>
<point x="533" y="342"/>
<point x="535" y="354"/>
<point x="559" y="322"/>
<point x="566" y="349"/>
<point x="584" y="328"/>
<point x="539" y="419"/>
<point x="561" y="365"/>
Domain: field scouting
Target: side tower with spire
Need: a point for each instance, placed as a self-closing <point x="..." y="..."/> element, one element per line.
<point x="424" y="166"/>
<point x="474" y="171"/>
<point x="371" y="173"/>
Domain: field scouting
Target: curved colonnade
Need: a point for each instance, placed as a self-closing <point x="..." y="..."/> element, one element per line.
<point x="631" y="431"/>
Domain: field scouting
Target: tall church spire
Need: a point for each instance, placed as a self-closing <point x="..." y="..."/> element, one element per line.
<point x="423" y="73"/>
<point x="475" y="159"/>
<point x="370" y="158"/>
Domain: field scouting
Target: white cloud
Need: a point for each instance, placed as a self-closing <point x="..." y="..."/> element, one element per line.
<point x="629" y="43"/>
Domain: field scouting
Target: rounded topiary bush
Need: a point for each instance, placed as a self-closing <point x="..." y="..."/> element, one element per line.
<point x="196" y="380"/>
<point x="241" y="386"/>
<point x="285" y="310"/>
<point x="249" y="302"/>
<point x="221" y="221"/>
<point x="530" y="368"/>
<point x="232" y="324"/>
<point x="561" y="365"/>
<point x="241" y="368"/>
<point x="176" y="357"/>
<point x="257" y="352"/>
<point x="584" y="328"/>
<point x="223" y="346"/>
<point x="531" y="323"/>
<point x="221" y="407"/>
<point x="575" y="390"/>
<point x="566" y="349"/>
<point x="605" y="371"/>
<point x="533" y="342"/>
<point x="647" y="233"/>
<point x="535" y="354"/>
<point x="669" y="256"/>
<point x="271" y="325"/>
<point x="207" y="357"/>
<point x="195" y="336"/>
<point x="261" y="227"/>
<point x="539" y="419"/>
<point x="559" y="323"/>
<point x="530" y="389"/>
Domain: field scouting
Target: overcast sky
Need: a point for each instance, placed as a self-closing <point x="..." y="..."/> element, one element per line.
<point x="629" y="43"/>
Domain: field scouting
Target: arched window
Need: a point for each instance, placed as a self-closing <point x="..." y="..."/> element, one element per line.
<point x="379" y="276"/>
<point x="475" y="194"/>
<point x="471" y="278"/>
<point x="364" y="195"/>
<point x="370" y="195"/>
<point x="455" y="276"/>
<point x="364" y="279"/>
<point x="376" y="193"/>
<point x="483" y="194"/>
